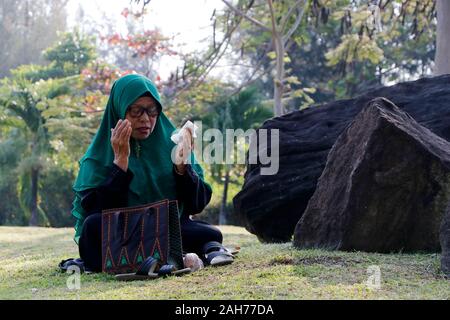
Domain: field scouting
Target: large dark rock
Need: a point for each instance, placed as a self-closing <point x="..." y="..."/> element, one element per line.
<point x="271" y="206"/>
<point x="385" y="187"/>
<point x="445" y="243"/>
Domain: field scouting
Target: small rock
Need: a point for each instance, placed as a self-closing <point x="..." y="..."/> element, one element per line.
<point x="193" y="261"/>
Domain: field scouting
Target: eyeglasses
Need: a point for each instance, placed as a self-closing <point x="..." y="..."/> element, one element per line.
<point x="138" y="111"/>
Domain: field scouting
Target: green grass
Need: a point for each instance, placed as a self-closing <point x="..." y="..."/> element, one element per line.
<point x="29" y="257"/>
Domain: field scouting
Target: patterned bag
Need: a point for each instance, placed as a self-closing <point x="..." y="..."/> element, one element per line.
<point x="130" y="235"/>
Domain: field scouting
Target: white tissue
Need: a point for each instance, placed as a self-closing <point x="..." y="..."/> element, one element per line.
<point x="176" y="138"/>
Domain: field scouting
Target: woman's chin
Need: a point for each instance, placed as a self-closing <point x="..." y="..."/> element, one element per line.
<point x="141" y="135"/>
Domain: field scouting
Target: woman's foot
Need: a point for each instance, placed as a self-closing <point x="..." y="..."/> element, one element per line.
<point x="216" y="254"/>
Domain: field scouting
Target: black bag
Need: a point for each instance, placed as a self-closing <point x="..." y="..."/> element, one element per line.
<point x="130" y="235"/>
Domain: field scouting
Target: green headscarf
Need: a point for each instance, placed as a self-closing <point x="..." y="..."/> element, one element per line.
<point x="149" y="161"/>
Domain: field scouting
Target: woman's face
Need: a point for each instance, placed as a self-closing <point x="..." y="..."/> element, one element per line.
<point x="142" y="114"/>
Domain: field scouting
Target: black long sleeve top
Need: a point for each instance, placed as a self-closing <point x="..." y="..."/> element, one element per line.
<point x="112" y="193"/>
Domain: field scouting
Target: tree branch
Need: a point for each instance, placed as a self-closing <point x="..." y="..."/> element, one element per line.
<point x="242" y="14"/>
<point x="297" y="22"/>
<point x="288" y="15"/>
<point x="210" y="61"/>
<point x="272" y="19"/>
<point x="250" y="79"/>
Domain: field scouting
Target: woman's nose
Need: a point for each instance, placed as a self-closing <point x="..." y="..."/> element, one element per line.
<point x="145" y="117"/>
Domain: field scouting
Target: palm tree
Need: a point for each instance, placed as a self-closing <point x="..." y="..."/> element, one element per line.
<point x="242" y="111"/>
<point x="24" y="100"/>
<point x="26" y="103"/>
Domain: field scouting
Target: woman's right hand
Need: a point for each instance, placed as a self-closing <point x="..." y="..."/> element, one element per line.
<point x="120" y="142"/>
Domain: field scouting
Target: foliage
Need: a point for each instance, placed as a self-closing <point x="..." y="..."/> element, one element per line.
<point x="45" y="103"/>
<point x="11" y="149"/>
<point x="211" y="213"/>
<point x="139" y="50"/>
<point x="56" y="199"/>
<point x="68" y="57"/>
<point x="369" y="30"/>
<point x="193" y="103"/>
<point x="243" y="111"/>
<point x="341" y="49"/>
<point x="98" y="76"/>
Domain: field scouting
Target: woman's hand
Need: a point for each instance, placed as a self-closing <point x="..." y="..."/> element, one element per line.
<point x="183" y="151"/>
<point x="120" y="142"/>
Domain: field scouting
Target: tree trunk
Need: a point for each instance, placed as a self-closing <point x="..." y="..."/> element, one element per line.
<point x="34" y="192"/>
<point x="278" y="85"/>
<point x="279" y="78"/>
<point x="223" y="207"/>
<point x="442" y="60"/>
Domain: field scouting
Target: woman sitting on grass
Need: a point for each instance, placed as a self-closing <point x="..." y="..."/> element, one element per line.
<point x="129" y="163"/>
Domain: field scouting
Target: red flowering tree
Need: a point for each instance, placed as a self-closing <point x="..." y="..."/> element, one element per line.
<point x="140" y="50"/>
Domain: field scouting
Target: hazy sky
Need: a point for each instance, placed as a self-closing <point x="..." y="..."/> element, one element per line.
<point x="189" y="20"/>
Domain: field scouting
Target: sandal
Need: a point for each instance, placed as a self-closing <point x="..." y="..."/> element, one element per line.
<point x="216" y="254"/>
<point x="234" y="251"/>
<point x="65" y="264"/>
<point x="171" y="270"/>
<point x="147" y="270"/>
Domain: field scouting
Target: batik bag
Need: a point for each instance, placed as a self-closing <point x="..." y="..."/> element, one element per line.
<point x="130" y="235"/>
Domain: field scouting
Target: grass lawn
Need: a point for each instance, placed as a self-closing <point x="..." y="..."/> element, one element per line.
<point x="29" y="258"/>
